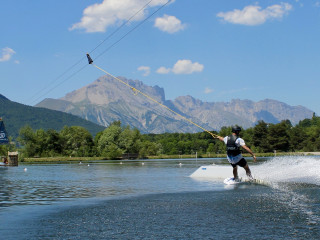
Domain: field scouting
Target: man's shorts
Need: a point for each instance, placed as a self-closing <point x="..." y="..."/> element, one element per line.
<point x="241" y="163"/>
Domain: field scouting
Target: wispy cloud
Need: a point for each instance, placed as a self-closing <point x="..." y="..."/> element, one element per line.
<point x="182" y="67"/>
<point x="255" y="15"/>
<point x="169" y="24"/>
<point x="6" y="54"/>
<point x="98" y="17"/>
<point x="163" y="70"/>
<point x="208" y="90"/>
<point x="146" y="70"/>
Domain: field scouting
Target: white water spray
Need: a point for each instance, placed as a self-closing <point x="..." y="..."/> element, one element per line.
<point x="284" y="174"/>
<point x="290" y="169"/>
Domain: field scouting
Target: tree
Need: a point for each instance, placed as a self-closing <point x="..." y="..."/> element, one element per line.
<point x="4" y="149"/>
<point x="312" y="142"/>
<point x="298" y="138"/>
<point x="28" y="139"/>
<point x="130" y="140"/>
<point x="149" y="148"/>
<point x="78" y="141"/>
<point x="248" y="136"/>
<point x="260" y="137"/>
<point x="278" y="136"/>
<point x="211" y="148"/>
<point x="51" y="143"/>
<point x="108" y="143"/>
<point x="225" y="131"/>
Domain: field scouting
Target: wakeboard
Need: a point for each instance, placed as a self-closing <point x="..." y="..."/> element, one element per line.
<point x="232" y="181"/>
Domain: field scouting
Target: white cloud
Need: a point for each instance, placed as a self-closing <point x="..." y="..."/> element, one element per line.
<point x="187" y="67"/>
<point x="145" y="69"/>
<point x="182" y="67"/>
<point x="169" y="24"/>
<point x="208" y="90"/>
<point x="6" y="55"/>
<point x="98" y="17"/>
<point x="254" y="15"/>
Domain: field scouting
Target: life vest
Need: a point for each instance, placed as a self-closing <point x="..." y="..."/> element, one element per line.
<point x="232" y="148"/>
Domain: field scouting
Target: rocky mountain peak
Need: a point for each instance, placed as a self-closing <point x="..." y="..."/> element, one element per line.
<point x="108" y="99"/>
<point x="106" y="90"/>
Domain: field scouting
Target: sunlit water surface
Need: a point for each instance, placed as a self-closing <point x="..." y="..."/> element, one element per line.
<point x="157" y="199"/>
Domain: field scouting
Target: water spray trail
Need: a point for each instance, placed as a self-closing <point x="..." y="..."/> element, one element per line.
<point x="287" y="175"/>
<point x="290" y="169"/>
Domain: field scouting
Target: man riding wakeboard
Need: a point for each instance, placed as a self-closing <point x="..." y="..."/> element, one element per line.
<point x="234" y="143"/>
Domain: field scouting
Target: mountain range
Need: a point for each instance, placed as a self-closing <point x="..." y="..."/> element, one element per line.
<point x="108" y="99"/>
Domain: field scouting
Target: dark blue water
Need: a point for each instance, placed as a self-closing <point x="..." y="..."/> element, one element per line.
<point x="158" y="200"/>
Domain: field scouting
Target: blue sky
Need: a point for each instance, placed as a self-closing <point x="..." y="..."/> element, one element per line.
<point x="212" y="50"/>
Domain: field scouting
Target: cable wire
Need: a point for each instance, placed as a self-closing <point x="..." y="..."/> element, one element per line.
<point x="95" y="48"/>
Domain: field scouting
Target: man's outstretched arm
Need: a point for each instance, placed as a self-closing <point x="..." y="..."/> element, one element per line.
<point x="249" y="151"/>
<point x="220" y="138"/>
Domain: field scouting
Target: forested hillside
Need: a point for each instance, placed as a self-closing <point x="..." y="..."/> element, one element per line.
<point x="16" y="116"/>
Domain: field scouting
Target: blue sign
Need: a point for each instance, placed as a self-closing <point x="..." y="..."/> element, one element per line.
<point x="3" y="134"/>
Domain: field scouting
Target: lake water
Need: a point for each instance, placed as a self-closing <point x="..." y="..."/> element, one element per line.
<point x="157" y="199"/>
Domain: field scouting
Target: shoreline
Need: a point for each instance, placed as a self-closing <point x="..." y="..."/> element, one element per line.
<point x="162" y="156"/>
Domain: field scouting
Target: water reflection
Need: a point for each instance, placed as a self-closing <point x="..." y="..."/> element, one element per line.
<point x="44" y="184"/>
<point x="190" y="208"/>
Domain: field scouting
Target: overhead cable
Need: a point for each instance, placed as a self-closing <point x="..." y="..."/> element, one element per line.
<point x="95" y="48"/>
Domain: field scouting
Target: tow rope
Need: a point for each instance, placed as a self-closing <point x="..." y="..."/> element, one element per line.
<point x="136" y="91"/>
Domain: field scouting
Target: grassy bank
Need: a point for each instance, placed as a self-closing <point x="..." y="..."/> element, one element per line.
<point x="60" y="159"/>
<point x="162" y="156"/>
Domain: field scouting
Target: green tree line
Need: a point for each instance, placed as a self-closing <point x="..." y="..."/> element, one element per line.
<point x="117" y="140"/>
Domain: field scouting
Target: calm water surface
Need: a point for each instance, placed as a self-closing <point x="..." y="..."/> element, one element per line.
<point x="157" y="199"/>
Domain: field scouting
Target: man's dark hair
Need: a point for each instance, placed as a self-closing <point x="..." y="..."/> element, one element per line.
<point x="236" y="129"/>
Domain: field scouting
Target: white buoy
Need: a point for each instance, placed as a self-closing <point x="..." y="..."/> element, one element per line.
<point x="142" y="163"/>
<point x="25" y="169"/>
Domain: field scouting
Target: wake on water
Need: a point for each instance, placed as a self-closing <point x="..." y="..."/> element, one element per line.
<point x="287" y="175"/>
<point x="290" y="169"/>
